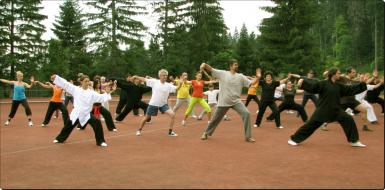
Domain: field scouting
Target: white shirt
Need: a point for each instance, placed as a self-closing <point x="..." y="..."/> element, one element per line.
<point x="160" y="92"/>
<point x="83" y="100"/>
<point x="212" y="96"/>
<point x="361" y="96"/>
<point x="278" y="91"/>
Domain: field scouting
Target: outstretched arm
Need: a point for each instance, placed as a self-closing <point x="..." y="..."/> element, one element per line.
<point x="47" y="85"/>
<point x="64" y="84"/>
<point x="283" y="81"/>
<point x="7" y="81"/>
<point x="206" y="67"/>
<point x="32" y="80"/>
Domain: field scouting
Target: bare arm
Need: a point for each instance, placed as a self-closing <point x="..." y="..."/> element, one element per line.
<point x="206" y="67"/>
<point x="43" y="85"/>
<point x="32" y="80"/>
<point x="7" y="81"/>
<point x="211" y="82"/>
<point x="283" y="81"/>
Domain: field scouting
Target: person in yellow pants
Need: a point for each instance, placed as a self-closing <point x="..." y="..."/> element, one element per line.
<point x="197" y="96"/>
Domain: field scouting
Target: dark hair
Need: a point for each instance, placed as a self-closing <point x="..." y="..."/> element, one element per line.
<point x="349" y="70"/>
<point x="211" y="86"/>
<point x="96" y="82"/>
<point x="332" y="71"/>
<point x="269" y="73"/>
<point x="232" y="61"/>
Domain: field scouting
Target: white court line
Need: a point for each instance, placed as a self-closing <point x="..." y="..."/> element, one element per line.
<point x="81" y="141"/>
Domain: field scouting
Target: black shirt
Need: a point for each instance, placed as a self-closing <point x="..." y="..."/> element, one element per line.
<point x="328" y="105"/>
<point x="268" y="90"/>
<point x="288" y="95"/>
<point x="373" y="94"/>
<point x="134" y="92"/>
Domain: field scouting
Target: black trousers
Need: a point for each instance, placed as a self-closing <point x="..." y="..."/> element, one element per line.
<point x="68" y="99"/>
<point x="52" y="107"/>
<point x="312" y="97"/>
<point x="95" y="124"/>
<point x="345" y="120"/>
<point x="274" y="109"/>
<point x="291" y="106"/>
<point x="377" y="100"/>
<point x="121" y="104"/>
<point x="15" y="105"/>
<point x="142" y="105"/>
<point x="252" y="97"/>
<point x="107" y="118"/>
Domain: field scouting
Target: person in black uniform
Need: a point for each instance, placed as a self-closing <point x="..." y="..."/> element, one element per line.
<point x="268" y="86"/>
<point x="135" y="91"/>
<point x="288" y="102"/>
<point x="328" y="108"/>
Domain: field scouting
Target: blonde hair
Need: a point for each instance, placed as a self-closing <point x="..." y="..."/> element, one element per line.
<point x="162" y="71"/>
<point x="19" y="73"/>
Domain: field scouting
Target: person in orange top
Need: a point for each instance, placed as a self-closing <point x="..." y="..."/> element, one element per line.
<point x="252" y="93"/>
<point x="54" y="104"/>
<point x="197" y="96"/>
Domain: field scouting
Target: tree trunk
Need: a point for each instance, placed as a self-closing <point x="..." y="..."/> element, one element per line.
<point x="12" y="42"/>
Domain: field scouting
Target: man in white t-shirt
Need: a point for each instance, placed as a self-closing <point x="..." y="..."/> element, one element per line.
<point x="230" y="89"/>
<point x="212" y="101"/>
<point x="160" y="92"/>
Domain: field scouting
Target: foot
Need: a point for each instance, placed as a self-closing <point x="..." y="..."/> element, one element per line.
<point x="226" y="118"/>
<point x="280" y="127"/>
<point x="255" y="125"/>
<point x="204" y="136"/>
<point x="30" y="123"/>
<point x="138" y="133"/>
<point x="357" y="144"/>
<point x="374" y="122"/>
<point x="366" y="128"/>
<point x="148" y="122"/>
<point x="116" y="121"/>
<point x="43" y="125"/>
<point x="208" y="121"/>
<point x="55" y="117"/>
<point x="56" y="141"/>
<point x="199" y="118"/>
<point x="114" y="130"/>
<point x="183" y="122"/>
<point x="250" y="140"/>
<point x="257" y="111"/>
<point x="101" y="119"/>
<point x="7" y="123"/>
<point x="103" y="144"/>
<point x="172" y="134"/>
<point x="291" y="142"/>
<point x="194" y="116"/>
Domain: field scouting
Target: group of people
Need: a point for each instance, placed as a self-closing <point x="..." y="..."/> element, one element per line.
<point x="339" y="97"/>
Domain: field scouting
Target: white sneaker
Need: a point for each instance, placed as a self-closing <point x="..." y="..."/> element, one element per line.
<point x="116" y="121"/>
<point x="138" y="133"/>
<point x="30" y="123"/>
<point x="102" y="119"/>
<point x="114" y="130"/>
<point x="349" y="111"/>
<point x="199" y="118"/>
<point x="208" y="121"/>
<point x="6" y="123"/>
<point x="42" y="125"/>
<point x="357" y="144"/>
<point x="255" y="125"/>
<point x="226" y="118"/>
<point x="55" y="141"/>
<point x="148" y="122"/>
<point x="257" y="111"/>
<point x="55" y="117"/>
<point x="183" y="122"/>
<point x="172" y="134"/>
<point x="291" y="142"/>
<point x="103" y="144"/>
<point x="290" y="112"/>
<point x="280" y="127"/>
<point x="194" y="116"/>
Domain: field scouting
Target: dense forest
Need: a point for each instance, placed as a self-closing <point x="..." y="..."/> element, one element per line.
<point x="301" y="35"/>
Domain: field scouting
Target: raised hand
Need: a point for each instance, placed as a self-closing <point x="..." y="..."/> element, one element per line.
<point x="32" y="79"/>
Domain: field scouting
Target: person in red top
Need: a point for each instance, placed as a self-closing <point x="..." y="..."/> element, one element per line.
<point x="54" y="104"/>
<point x="197" y="96"/>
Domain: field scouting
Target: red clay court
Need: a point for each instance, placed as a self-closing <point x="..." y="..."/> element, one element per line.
<point x="29" y="159"/>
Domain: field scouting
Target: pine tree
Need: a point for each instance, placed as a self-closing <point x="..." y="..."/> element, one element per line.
<point x="21" y="32"/>
<point x="113" y="25"/>
<point x="71" y="33"/>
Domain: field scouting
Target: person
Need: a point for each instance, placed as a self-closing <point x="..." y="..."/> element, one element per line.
<point x="103" y="84"/>
<point x="134" y="91"/>
<point x="183" y="93"/>
<point x="197" y="97"/>
<point x="328" y="107"/>
<point x="19" y="97"/>
<point x="288" y="101"/>
<point x="160" y="93"/>
<point x="54" y="104"/>
<point x="84" y="98"/>
<point x="252" y="94"/>
<point x="371" y="116"/>
<point x="230" y="89"/>
<point x="268" y="86"/>
<point x="373" y="96"/>
<point x="68" y="97"/>
<point x="307" y="95"/>
<point x="99" y="111"/>
<point x="212" y="101"/>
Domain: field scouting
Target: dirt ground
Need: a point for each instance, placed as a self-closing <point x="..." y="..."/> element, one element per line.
<point x="29" y="159"/>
